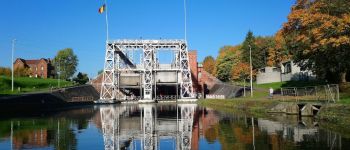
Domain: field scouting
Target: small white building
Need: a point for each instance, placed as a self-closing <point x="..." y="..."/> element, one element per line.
<point x="287" y="71"/>
<point x="268" y="75"/>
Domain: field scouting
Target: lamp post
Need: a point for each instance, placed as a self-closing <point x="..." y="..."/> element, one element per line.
<point x="251" y="71"/>
<point x="13" y="51"/>
<point x="59" y="71"/>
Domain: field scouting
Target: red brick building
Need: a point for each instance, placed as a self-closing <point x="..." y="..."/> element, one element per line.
<point x="38" y="68"/>
<point x="201" y="79"/>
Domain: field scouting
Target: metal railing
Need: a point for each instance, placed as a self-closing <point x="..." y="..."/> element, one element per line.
<point x="82" y="99"/>
<point x="329" y="93"/>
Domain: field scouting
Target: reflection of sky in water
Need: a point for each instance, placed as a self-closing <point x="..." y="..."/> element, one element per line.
<point x="90" y="138"/>
<point x="4" y="143"/>
<point x="207" y="129"/>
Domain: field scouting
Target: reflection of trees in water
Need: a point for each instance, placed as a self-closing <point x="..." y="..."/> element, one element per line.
<point x="62" y="136"/>
<point x="56" y="131"/>
<point x="236" y="132"/>
<point x="211" y="134"/>
<point x="40" y="133"/>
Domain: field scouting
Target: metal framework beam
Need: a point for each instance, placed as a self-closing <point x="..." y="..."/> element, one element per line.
<point x="119" y="59"/>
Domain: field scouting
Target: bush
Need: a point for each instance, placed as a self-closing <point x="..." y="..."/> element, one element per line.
<point x="5" y="71"/>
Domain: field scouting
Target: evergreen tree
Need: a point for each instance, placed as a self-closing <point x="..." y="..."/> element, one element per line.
<point x="81" y="78"/>
<point x="257" y="54"/>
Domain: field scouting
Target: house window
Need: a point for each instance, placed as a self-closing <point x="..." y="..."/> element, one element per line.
<point x="200" y="75"/>
<point x="275" y="69"/>
<point x="287" y="67"/>
<point x="262" y="70"/>
<point x="36" y="68"/>
<point x="42" y="68"/>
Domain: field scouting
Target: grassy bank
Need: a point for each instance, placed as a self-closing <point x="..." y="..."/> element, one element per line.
<point x="256" y="108"/>
<point x="26" y="84"/>
<point x="261" y="91"/>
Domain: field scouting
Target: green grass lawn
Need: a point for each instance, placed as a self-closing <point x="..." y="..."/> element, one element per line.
<point x="26" y="84"/>
<point x="261" y="91"/>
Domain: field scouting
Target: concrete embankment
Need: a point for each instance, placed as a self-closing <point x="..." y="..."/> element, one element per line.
<point x="330" y="116"/>
<point x="56" y="99"/>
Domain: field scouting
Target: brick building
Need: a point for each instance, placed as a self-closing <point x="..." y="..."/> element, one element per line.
<point x="201" y="79"/>
<point x="38" y="68"/>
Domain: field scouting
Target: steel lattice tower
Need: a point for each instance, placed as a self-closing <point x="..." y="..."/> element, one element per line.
<point x="121" y="63"/>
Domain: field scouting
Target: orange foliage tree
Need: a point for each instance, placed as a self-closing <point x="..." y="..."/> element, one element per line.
<point x="240" y="71"/>
<point x="5" y="71"/>
<point x="278" y="52"/>
<point x="317" y="34"/>
<point x="209" y="64"/>
<point x="263" y="45"/>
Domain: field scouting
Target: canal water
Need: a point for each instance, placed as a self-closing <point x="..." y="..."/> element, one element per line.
<point x="162" y="126"/>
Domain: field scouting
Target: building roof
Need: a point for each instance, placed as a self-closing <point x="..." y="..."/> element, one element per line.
<point x="33" y="61"/>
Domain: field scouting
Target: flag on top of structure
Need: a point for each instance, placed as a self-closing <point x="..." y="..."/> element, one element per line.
<point x="102" y="9"/>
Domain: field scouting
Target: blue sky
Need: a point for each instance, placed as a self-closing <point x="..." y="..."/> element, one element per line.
<point x="42" y="27"/>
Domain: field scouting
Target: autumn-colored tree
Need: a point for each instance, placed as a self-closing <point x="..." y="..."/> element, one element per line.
<point x="5" y="71"/>
<point x="240" y="71"/>
<point x="263" y="45"/>
<point x="317" y="34"/>
<point x="279" y="52"/>
<point x="228" y="56"/>
<point x="209" y="64"/>
<point x="21" y="72"/>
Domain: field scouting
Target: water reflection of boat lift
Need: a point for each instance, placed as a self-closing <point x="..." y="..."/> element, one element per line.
<point x="253" y="133"/>
<point x="11" y="135"/>
<point x="152" y="129"/>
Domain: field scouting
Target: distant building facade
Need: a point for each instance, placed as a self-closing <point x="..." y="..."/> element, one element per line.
<point x="287" y="71"/>
<point x="38" y="68"/>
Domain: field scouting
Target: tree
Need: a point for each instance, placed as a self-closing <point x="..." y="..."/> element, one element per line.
<point x="257" y="55"/>
<point x="279" y="52"/>
<point x="317" y="34"/>
<point x="5" y="71"/>
<point x="228" y="56"/>
<point x="263" y="45"/>
<point x="209" y="64"/>
<point x="21" y="72"/>
<point x="66" y="62"/>
<point x="99" y="72"/>
<point x="240" y="71"/>
<point x="81" y="78"/>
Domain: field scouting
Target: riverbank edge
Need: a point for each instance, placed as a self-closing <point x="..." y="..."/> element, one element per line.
<point x="335" y="117"/>
<point x="53" y="100"/>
